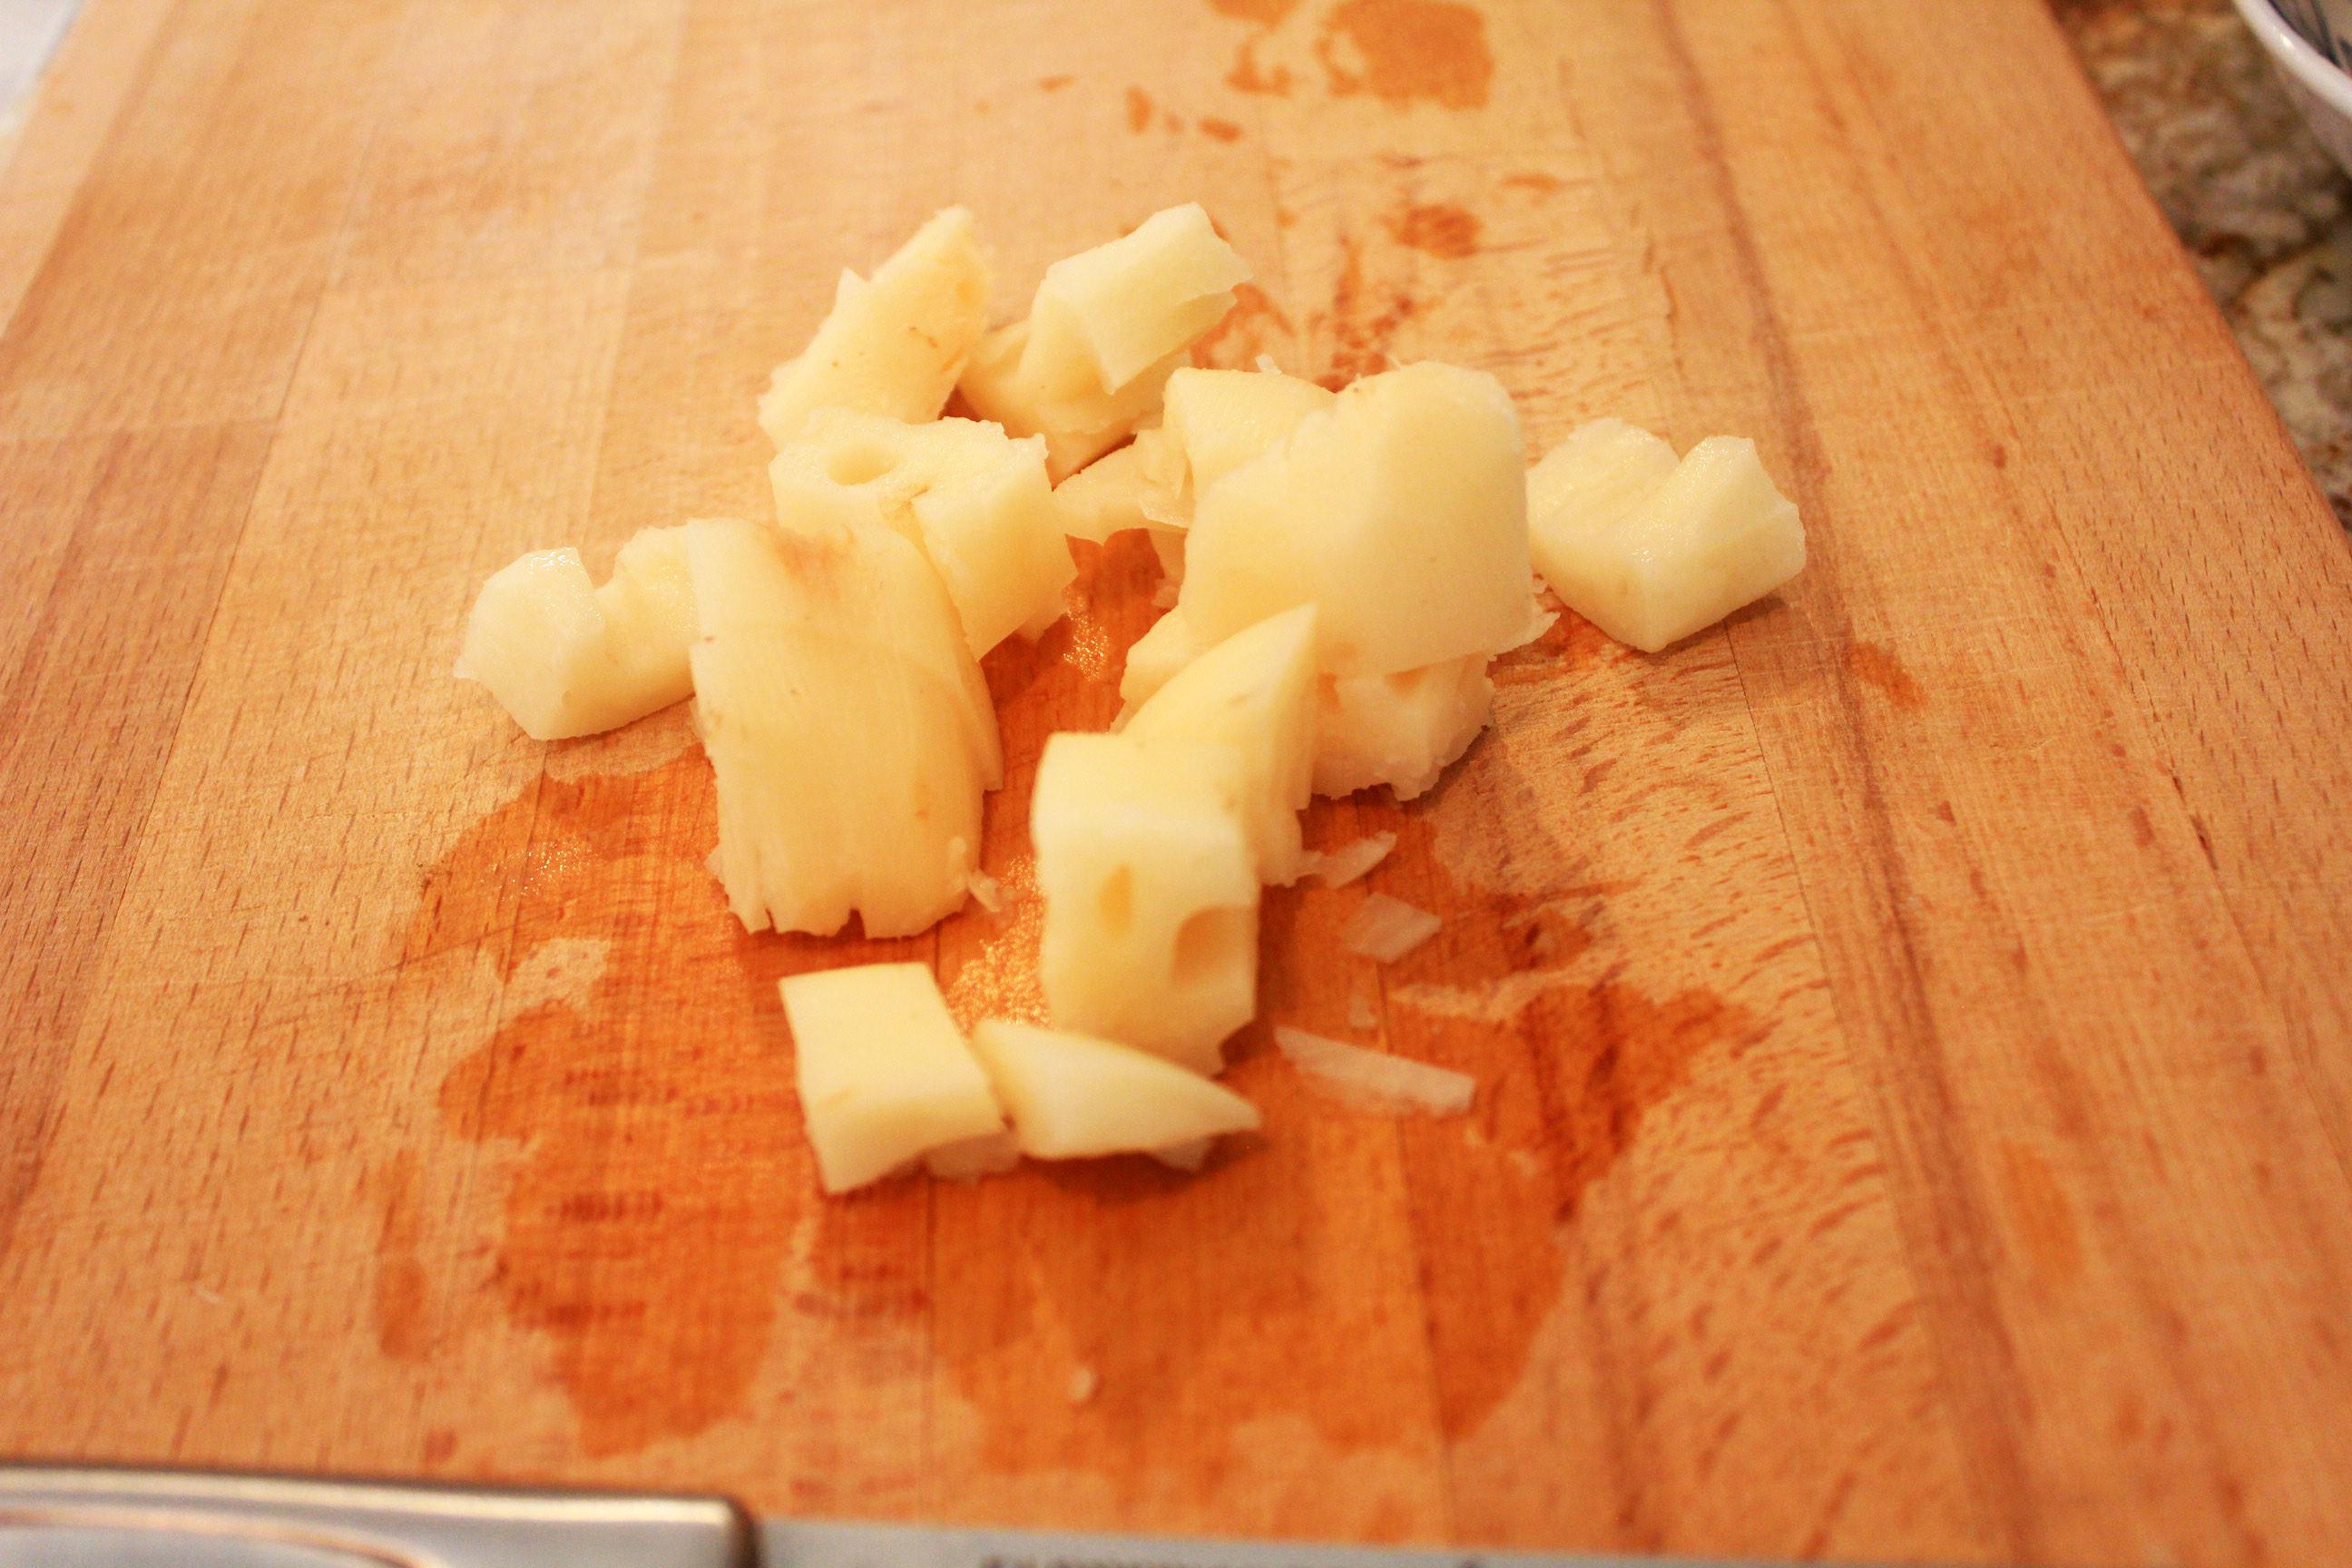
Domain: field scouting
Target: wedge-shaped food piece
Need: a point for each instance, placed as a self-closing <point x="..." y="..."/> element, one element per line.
<point x="973" y="499"/>
<point x="1253" y="698"/>
<point x="1078" y="426"/>
<point x="1212" y="421"/>
<point x="1400" y="729"/>
<point x="847" y="722"/>
<point x="1105" y="329"/>
<point x="1650" y="550"/>
<point x="1168" y="543"/>
<point x="1150" y="878"/>
<point x="1072" y="1096"/>
<point x="566" y="657"/>
<point x="1588" y="483"/>
<point x="1401" y="511"/>
<point x="1153" y="658"/>
<point x="885" y="1075"/>
<point x="1104" y="498"/>
<point x="896" y="344"/>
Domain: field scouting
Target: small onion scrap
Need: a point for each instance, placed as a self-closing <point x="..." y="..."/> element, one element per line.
<point x="1384" y="930"/>
<point x="1374" y="1080"/>
<point x="1338" y="868"/>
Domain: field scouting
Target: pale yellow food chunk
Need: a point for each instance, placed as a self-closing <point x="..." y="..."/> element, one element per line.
<point x="1150" y="878"/>
<point x="975" y="501"/>
<point x="1104" y="498"/>
<point x="1651" y="551"/>
<point x="895" y="345"/>
<point x="1072" y="1096"/>
<point x="1153" y="659"/>
<point x="1399" y="729"/>
<point x="566" y="657"/>
<point x="1252" y="699"/>
<point x="1400" y="511"/>
<point x="884" y="1076"/>
<point x="847" y="724"/>
<point x="1212" y="421"/>
<point x="1105" y="330"/>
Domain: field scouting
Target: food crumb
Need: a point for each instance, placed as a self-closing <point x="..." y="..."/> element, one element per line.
<point x="1385" y="929"/>
<point x="1375" y="1081"/>
<point x="1338" y="868"/>
<point x="1083" y="1384"/>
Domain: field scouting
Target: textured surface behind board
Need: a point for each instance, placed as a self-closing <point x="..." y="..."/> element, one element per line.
<point x="1911" y="1020"/>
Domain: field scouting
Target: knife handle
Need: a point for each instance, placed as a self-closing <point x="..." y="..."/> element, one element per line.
<point x="98" y="1516"/>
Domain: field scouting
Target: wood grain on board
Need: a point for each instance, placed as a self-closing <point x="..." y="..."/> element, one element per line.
<point x="1911" y="1021"/>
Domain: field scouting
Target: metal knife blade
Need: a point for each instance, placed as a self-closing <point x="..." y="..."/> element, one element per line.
<point x="61" y="1516"/>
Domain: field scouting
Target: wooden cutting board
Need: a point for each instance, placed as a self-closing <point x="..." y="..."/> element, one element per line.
<point x="1912" y="1022"/>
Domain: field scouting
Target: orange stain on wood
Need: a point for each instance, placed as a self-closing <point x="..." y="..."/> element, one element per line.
<point x="1362" y="321"/>
<point x="1267" y="13"/>
<point x="1255" y="326"/>
<point x="660" y="1164"/>
<point x="1066" y="680"/>
<point x="1541" y="183"/>
<point x="1436" y="228"/>
<point x="1248" y="76"/>
<point x="1138" y="109"/>
<point x="1408" y="52"/>
<point x="1572" y="1065"/>
<point x="1219" y="129"/>
<point x="2044" y="1219"/>
<point x="1876" y="666"/>
<point x="1053" y="83"/>
<point x="1571" y="642"/>
<point x="400" y="1279"/>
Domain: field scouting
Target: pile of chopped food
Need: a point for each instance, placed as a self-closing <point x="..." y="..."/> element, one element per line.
<point x="1345" y="565"/>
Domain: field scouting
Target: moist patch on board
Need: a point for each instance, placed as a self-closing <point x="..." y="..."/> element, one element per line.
<point x="659" y="1167"/>
<point x="1255" y="326"/>
<point x="402" y="1293"/>
<point x="1267" y="13"/>
<point x="1362" y="321"/>
<point x="1875" y="665"/>
<point x="1524" y="991"/>
<point x="1066" y="680"/>
<point x="1436" y="228"/>
<point x="1405" y="52"/>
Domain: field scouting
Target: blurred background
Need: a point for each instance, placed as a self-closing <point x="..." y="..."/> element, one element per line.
<point x="2255" y="199"/>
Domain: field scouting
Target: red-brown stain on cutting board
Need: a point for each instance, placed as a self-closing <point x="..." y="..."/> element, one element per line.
<point x="1267" y="13"/>
<point x="1363" y="322"/>
<point x="1138" y="109"/>
<point x="2044" y="1221"/>
<point x="1248" y="76"/>
<point x="1572" y="1061"/>
<point x="1436" y="228"/>
<point x="1255" y="326"/>
<point x="661" y="1171"/>
<point x="660" y="1164"/>
<point x="1066" y="680"/>
<point x="400" y="1282"/>
<point x="1877" y="666"/>
<point x="1407" y="52"/>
